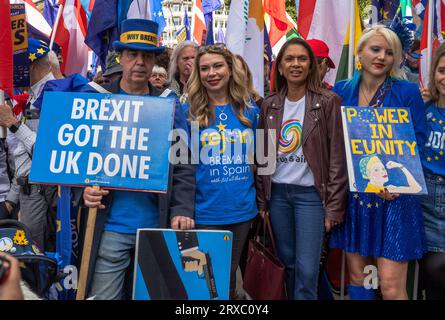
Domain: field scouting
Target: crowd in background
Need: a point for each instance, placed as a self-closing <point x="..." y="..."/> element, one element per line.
<point x="306" y="195"/>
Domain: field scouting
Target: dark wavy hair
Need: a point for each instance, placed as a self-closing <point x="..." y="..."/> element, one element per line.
<point x="313" y="79"/>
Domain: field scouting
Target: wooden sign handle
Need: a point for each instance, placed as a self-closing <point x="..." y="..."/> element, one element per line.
<point x="86" y="252"/>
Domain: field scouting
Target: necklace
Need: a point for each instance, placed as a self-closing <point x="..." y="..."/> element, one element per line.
<point x="222" y="115"/>
<point x="364" y="95"/>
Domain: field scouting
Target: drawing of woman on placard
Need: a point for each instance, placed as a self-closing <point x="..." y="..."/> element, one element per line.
<point x="372" y="169"/>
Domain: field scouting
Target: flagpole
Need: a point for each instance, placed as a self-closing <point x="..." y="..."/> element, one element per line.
<point x="56" y="24"/>
<point x="2" y="101"/>
<point x="430" y="36"/>
<point x="351" y="39"/>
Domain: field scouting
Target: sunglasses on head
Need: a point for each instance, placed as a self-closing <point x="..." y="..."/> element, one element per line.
<point x="219" y="47"/>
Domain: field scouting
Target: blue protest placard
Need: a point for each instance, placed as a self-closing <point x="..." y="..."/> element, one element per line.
<point x="182" y="265"/>
<point x="114" y="141"/>
<point x="20" y="45"/>
<point x="382" y="151"/>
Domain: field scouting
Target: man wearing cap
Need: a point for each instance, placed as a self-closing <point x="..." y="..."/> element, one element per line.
<point x="121" y="213"/>
<point x="113" y="69"/>
<point x="325" y="63"/>
<point x="37" y="211"/>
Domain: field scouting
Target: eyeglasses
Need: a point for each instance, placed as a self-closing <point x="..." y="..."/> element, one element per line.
<point x="219" y="47"/>
<point x="158" y="75"/>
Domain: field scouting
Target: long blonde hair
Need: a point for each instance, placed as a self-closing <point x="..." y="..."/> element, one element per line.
<point x="394" y="43"/>
<point x="249" y="78"/>
<point x="238" y="94"/>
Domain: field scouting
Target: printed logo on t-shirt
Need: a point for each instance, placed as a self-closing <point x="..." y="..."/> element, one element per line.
<point x="290" y="136"/>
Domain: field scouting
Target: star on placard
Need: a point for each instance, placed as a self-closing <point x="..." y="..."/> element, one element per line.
<point x="361" y="203"/>
<point x="433" y="119"/>
<point x="428" y="159"/>
<point x="32" y="56"/>
<point x="436" y="158"/>
<point x="369" y="206"/>
<point x="221" y="126"/>
<point x="441" y="153"/>
<point x="376" y="204"/>
<point x="40" y="51"/>
<point x="160" y="14"/>
<point x="356" y="196"/>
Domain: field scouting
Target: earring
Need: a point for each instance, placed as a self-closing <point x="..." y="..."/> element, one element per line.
<point x="358" y="66"/>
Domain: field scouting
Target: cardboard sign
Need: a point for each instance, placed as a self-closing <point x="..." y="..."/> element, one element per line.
<point x="382" y="151"/>
<point x="182" y="265"/>
<point x="114" y="141"/>
<point x="20" y="45"/>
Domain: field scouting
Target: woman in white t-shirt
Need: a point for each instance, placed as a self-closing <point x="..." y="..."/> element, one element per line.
<point x="306" y="193"/>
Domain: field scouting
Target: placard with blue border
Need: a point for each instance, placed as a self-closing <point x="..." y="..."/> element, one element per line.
<point x="113" y="141"/>
<point x="382" y="151"/>
<point x="182" y="265"/>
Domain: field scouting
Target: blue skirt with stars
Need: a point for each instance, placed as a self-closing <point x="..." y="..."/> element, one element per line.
<point x="374" y="227"/>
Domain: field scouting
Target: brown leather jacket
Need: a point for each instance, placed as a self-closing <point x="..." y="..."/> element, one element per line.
<point x="323" y="148"/>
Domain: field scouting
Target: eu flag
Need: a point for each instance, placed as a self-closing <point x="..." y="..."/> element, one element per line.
<point x="102" y="29"/>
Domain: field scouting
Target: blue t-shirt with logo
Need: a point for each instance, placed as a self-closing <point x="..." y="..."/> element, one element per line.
<point x="225" y="190"/>
<point x="433" y="159"/>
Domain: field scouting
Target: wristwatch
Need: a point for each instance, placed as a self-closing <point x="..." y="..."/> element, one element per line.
<point x="13" y="128"/>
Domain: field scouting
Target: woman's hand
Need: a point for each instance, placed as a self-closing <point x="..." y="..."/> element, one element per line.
<point x="329" y="224"/>
<point x="182" y="223"/>
<point x="426" y="94"/>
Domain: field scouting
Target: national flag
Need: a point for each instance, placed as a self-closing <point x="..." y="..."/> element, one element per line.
<point x="383" y="10"/>
<point x="66" y="238"/>
<point x="437" y="37"/>
<point x="141" y="9"/>
<point x="278" y="37"/>
<point x="102" y="29"/>
<point x="420" y="6"/>
<point x="210" y="5"/>
<point x="70" y="35"/>
<point x="199" y="30"/>
<point x="327" y="21"/>
<point x="50" y="8"/>
<point x="6" y="53"/>
<point x="88" y="7"/>
<point x="423" y="63"/>
<point x="184" y="33"/>
<point x="208" y="17"/>
<point x="157" y="15"/>
<point x="220" y="37"/>
<point x="245" y="37"/>
<point x="276" y="9"/>
<point x="344" y="64"/>
<point x="37" y="26"/>
<point x="406" y="7"/>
